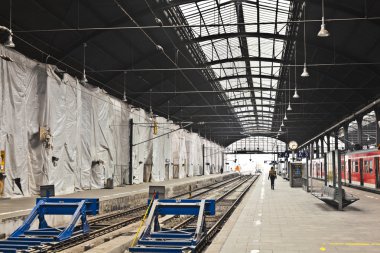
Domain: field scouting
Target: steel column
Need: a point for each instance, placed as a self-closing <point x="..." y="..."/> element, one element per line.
<point x="346" y="141"/>
<point x="336" y="135"/>
<point x="377" y="113"/>
<point x="322" y="146"/>
<point x="317" y="148"/>
<point x="328" y="142"/>
<point x="359" y="120"/>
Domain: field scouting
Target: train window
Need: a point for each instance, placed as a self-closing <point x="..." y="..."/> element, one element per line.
<point x="355" y="165"/>
<point x="370" y="167"/>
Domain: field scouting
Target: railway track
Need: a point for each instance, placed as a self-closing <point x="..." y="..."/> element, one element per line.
<point x="104" y="224"/>
<point x="225" y="205"/>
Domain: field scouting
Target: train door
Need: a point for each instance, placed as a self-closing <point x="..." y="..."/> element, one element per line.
<point x="369" y="173"/>
<point x="349" y="170"/>
<point x="377" y="165"/>
<point x="361" y="171"/>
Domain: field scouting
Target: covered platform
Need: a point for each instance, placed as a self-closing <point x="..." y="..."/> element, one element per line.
<point x="290" y="220"/>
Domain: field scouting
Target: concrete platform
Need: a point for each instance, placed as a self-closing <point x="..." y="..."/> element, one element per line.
<point x="14" y="211"/>
<point x="290" y="220"/>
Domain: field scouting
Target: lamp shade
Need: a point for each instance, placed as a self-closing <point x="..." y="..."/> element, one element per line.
<point x="304" y="72"/>
<point x="323" y="32"/>
<point x="296" y="94"/>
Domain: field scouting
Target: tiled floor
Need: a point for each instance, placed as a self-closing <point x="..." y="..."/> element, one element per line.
<point x="290" y="220"/>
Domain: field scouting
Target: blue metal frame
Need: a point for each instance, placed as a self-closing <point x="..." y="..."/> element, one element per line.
<point x="23" y="237"/>
<point x="157" y="239"/>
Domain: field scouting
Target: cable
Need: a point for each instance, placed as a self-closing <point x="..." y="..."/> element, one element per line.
<point x="196" y="26"/>
<point x="238" y="67"/>
<point x="69" y="66"/>
<point x="154" y="43"/>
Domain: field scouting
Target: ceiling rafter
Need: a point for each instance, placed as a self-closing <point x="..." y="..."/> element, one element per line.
<point x="241" y="34"/>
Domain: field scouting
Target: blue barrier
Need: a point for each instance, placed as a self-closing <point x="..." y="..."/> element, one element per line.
<point x="24" y="238"/>
<point x="157" y="239"/>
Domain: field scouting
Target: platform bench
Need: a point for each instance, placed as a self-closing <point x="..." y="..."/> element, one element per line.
<point x="329" y="195"/>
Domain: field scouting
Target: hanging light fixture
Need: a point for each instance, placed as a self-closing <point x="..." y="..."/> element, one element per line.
<point x="280" y="130"/>
<point x="282" y="124"/>
<point x="323" y="32"/>
<point x="9" y="42"/>
<point x="285" y="118"/>
<point x="289" y="106"/>
<point x="295" y="71"/>
<point x="124" y="93"/>
<point x="367" y="137"/>
<point x="304" y="72"/>
<point x="84" y="79"/>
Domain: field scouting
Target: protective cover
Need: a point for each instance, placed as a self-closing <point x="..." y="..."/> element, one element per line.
<point x="88" y="129"/>
<point x="207" y="157"/>
<point x="89" y="132"/>
<point x="162" y="150"/>
<point x="142" y="146"/>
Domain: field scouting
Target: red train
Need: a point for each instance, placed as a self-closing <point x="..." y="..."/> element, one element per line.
<point x="361" y="168"/>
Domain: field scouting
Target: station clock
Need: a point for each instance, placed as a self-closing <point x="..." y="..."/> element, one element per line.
<point x="293" y="145"/>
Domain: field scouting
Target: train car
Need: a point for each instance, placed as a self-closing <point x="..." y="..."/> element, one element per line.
<point x="362" y="168"/>
<point x="343" y="169"/>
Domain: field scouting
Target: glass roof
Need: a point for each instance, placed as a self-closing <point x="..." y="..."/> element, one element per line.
<point x="242" y="52"/>
<point x="258" y="143"/>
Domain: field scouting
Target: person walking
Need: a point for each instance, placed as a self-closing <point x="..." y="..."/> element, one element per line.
<point x="272" y="176"/>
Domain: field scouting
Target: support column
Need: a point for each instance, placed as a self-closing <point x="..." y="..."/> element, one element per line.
<point x="317" y="148"/>
<point x="377" y="113"/>
<point x="130" y="169"/>
<point x="346" y="141"/>
<point x="328" y="142"/>
<point x="359" y="120"/>
<point x="322" y="146"/>
<point x="311" y="147"/>
<point x="336" y="138"/>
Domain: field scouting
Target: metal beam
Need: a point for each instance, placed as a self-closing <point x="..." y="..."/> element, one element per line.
<point x="238" y="35"/>
<point x="243" y="58"/>
<point x="247" y="76"/>
<point x="249" y="98"/>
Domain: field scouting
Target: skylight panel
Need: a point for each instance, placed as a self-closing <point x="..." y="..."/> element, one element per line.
<point x="229" y="48"/>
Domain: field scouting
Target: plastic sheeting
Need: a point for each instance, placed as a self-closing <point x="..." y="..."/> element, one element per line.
<point x="87" y="128"/>
<point x="142" y="146"/>
<point x="90" y="135"/>
<point x="179" y="153"/>
<point x="162" y="152"/>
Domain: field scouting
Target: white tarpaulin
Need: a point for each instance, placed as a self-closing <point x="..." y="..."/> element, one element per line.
<point x="207" y="156"/>
<point x="142" y="146"/>
<point x="179" y="154"/>
<point x="192" y="153"/>
<point x="89" y="132"/>
<point x="198" y="165"/>
<point x="85" y="142"/>
<point x="162" y="151"/>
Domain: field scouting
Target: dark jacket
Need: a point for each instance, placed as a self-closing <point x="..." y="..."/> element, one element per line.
<point x="272" y="174"/>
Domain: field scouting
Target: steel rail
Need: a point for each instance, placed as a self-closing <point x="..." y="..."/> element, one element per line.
<point x="185" y="222"/>
<point x="142" y="207"/>
<point x="79" y="239"/>
<point x="217" y="226"/>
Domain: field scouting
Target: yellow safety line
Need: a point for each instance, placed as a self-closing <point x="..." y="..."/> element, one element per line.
<point x="143" y="220"/>
<point x="359" y="244"/>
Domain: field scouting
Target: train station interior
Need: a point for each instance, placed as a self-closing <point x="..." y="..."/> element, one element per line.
<point x="184" y="126"/>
